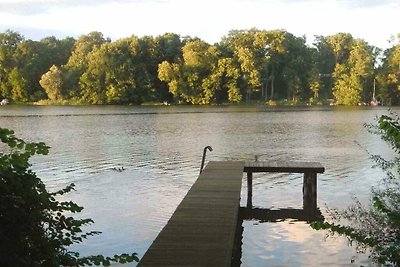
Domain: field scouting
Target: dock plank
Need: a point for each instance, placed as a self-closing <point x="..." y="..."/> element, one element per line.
<point x="283" y="166"/>
<point x="201" y="231"/>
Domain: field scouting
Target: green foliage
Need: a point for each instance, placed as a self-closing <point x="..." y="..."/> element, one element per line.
<point x="246" y="65"/>
<point x="52" y="83"/>
<point x="388" y="80"/>
<point x="18" y="85"/>
<point x="390" y="131"/>
<point x="36" y="229"/>
<point x="347" y="89"/>
<point x="376" y="226"/>
<point x="354" y="61"/>
<point x="222" y="84"/>
<point x="190" y="79"/>
<point x="23" y="62"/>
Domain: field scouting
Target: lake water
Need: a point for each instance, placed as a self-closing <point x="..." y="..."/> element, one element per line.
<point x="159" y="149"/>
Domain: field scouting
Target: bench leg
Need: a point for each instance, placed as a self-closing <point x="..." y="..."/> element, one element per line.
<point x="310" y="191"/>
<point x="249" y="190"/>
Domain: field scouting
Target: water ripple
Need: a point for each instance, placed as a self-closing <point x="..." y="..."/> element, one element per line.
<point x="132" y="166"/>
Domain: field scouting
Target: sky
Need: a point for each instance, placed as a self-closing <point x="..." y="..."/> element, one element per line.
<point x="375" y="21"/>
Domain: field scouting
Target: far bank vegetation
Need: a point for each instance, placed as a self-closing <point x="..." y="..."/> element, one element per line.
<point x="245" y="66"/>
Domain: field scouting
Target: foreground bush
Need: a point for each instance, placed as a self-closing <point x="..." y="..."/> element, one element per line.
<point x="35" y="228"/>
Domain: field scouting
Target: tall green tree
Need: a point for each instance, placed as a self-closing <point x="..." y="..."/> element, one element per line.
<point x="169" y="46"/>
<point x="275" y="50"/>
<point x="187" y="80"/>
<point x="297" y="68"/>
<point x="9" y="41"/>
<point x="92" y="82"/>
<point x="341" y="45"/>
<point x="248" y="51"/>
<point x="347" y="89"/>
<point x="146" y="60"/>
<point x="325" y="65"/>
<point x="78" y="61"/>
<point x="52" y="83"/>
<point x="222" y="83"/>
<point x="57" y="52"/>
<point x="170" y="74"/>
<point x="18" y="86"/>
<point x="354" y="63"/>
<point x="117" y="73"/>
<point x="388" y="78"/>
<point x="30" y="59"/>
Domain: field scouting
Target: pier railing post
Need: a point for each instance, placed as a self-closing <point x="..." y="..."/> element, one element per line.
<point x="310" y="191"/>
<point x="249" y="190"/>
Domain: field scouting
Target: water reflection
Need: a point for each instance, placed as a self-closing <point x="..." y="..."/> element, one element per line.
<point x="276" y="215"/>
<point x="289" y="243"/>
<point x="260" y="215"/>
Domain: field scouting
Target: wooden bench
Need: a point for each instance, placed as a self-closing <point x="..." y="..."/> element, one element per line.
<point x="309" y="169"/>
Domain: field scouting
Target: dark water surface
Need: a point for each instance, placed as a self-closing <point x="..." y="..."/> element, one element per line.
<point x="158" y="150"/>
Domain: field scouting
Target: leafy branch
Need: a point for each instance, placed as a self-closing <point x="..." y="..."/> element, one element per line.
<point x="35" y="227"/>
<point x="376" y="226"/>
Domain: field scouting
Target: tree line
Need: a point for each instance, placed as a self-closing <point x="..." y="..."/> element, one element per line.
<point x="246" y="65"/>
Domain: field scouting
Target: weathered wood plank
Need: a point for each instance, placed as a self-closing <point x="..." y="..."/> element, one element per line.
<point x="202" y="229"/>
<point x="283" y="166"/>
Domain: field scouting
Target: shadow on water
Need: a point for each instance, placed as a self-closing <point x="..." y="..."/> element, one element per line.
<point x="268" y="215"/>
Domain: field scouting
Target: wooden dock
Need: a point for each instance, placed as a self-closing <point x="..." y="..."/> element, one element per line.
<point x="201" y="232"/>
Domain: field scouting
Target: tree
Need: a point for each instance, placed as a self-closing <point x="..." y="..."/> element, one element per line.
<point x="52" y="83"/>
<point x="78" y="61"/>
<point x="275" y="50"/>
<point x="297" y="68"/>
<point x="341" y="44"/>
<point x="376" y="226"/>
<point x="272" y="64"/>
<point x="18" y="84"/>
<point x="354" y="62"/>
<point x="120" y="72"/>
<point x="314" y="82"/>
<point x="83" y="46"/>
<point x="169" y="48"/>
<point x="36" y="229"/>
<point x="187" y="80"/>
<point x="247" y="49"/>
<point x="92" y="81"/>
<point x="388" y="78"/>
<point x="325" y="65"/>
<point x="9" y="41"/>
<point x="222" y="83"/>
<point x="57" y="52"/>
<point x="31" y="61"/>
<point x="170" y="73"/>
<point x="347" y="89"/>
